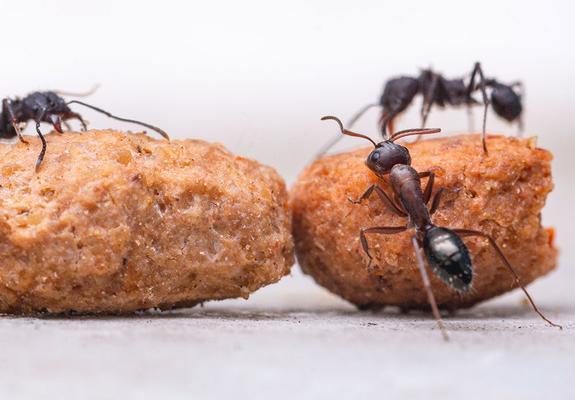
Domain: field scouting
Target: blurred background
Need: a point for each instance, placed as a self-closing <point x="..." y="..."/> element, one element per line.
<point x="257" y="76"/>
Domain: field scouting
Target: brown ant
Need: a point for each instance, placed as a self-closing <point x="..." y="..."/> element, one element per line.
<point x="398" y="93"/>
<point x="445" y="251"/>
<point x="47" y="107"/>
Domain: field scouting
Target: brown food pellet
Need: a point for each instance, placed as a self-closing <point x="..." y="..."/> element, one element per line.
<point x="115" y="222"/>
<point x="501" y="195"/>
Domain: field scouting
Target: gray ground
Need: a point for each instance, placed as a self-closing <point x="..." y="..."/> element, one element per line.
<point x="293" y="340"/>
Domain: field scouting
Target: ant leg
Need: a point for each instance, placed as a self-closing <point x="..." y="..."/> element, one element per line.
<point x="359" y="114"/>
<point x="428" y="99"/>
<point x="427" y="286"/>
<point x="505" y="261"/>
<point x="430" y="182"/>
<point x="7" y="107"/>
<point x="325" y="148"/>
<point x="383" y="197"/>
<point x="521" y="95"/>
<point x="77" y="116"/>
<point x="435" y="202"/>
<point x="385" y="230"/>
<point x="470" y="122"/>
<point x="429" y="186"/>
<point x="477" y="70"/>
<point x="383" y="121"/>
<point x="386" y="123"/>
<point x="38" y="119"/>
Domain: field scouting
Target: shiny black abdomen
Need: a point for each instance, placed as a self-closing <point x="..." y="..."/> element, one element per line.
<point x="505" y="102"/>
<point x="448" y="257"/>
<point x="398" y="94"/>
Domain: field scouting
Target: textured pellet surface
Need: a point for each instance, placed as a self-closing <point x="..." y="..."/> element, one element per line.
<point x="501" y="194"/>
<point x="116" y="222"/>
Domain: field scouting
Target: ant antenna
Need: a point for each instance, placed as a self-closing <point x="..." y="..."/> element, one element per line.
<point x="411" y="132"/>
<point x="133" y="121"/>
<point x="346" y="132"/>
<point x="351" y="122"/>
<point x="87" y="93"/>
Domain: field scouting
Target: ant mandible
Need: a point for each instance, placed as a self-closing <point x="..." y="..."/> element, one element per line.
<point x="47" y="107"/>
<point x="444" y="249"/>
<point x="398" y="93"/>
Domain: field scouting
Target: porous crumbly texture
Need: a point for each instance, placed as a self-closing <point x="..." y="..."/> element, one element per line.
<point x="501" y="194"/>
<point x="115" y="222"/>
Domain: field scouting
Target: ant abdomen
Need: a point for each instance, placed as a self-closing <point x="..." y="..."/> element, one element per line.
<point x="398" y="93"/>
<point x="505" y="102"/>
<point x="448" y="257"/>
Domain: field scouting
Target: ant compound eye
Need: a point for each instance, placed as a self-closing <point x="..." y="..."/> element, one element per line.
<point x="374" y="156"/>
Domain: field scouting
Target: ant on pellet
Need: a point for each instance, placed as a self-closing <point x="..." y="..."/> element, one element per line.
<point x="48" y="107"/>
<point x="446" y="253"/>
<point x="398" y="93"/>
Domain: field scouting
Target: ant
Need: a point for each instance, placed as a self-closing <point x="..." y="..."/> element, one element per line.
<point x="48" y="107"/>
<point x="444" y="249"/>
<point x="398" y="93"/>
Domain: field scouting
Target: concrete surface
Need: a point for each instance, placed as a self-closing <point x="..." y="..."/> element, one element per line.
<point x="293" y="340"/>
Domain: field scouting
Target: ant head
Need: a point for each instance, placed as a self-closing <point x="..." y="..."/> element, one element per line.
<point x="386" y="154"/>
<point x="56" y="103"/>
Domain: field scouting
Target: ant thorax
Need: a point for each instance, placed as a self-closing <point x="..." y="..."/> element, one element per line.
<point x="406" y="184"/>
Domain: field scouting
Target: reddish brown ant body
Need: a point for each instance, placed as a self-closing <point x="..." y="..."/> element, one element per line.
<point x="444" y="250"/>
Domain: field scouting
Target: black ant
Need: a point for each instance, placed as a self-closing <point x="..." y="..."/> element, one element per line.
<point x="47" y="107"/>
<point x="445" y="251"/>
<point x="398" y="93"/>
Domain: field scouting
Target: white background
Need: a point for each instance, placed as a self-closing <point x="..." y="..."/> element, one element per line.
<point x="257" y="76"/>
